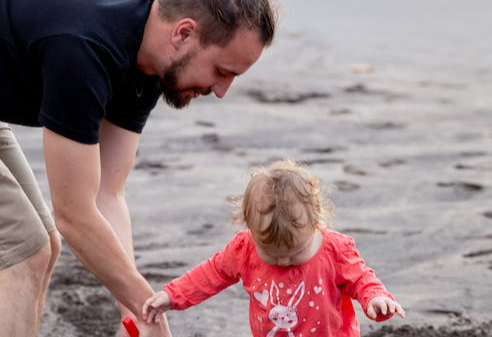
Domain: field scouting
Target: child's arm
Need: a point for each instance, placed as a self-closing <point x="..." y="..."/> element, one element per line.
<point x="380" y="308"/>
<point x="203" y="281"/>
<point x="155" y="306"/>
<point x="361" y="283"/>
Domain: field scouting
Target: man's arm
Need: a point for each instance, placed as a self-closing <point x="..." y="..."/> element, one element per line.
<point x="74" y="174"/>
<point x="115" y="168"/>
<point x="117" y="148"/>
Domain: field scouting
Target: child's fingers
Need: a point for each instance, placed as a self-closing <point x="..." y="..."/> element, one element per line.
<point x="158" y="317"/>
<point x="159" y="301"/>
<point x="400" y="311"/>
<point x="381" y="305"/>
<point x="384" y="307"/>
<point x="391" y="305"/>
<point x="371" y="312"/>
<point x="151" y="317"/>
<point x="147" y="306"/>
<point x="395" y="307"/>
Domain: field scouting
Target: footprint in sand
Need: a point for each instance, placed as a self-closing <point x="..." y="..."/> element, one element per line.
<point x="206" y="124"/>
<point x="146" y="164"/>
<point x="166" y="265"/>
<point x="290" y="97"/>
<point x="354" y="170"/>
<point x="386" y="126"/>
<point x="478" y="253"/>
<point x="75" y="275"/>
<point x="202" y="230"/>
<point x="364" y="231"/>
<point x="158" y="277"/>
<point x="317" y="161"/>
<point x="487" y="214"/>
<point x="346" y="186"/>
<point x="340" y="111"/>
<point x="210" y="138"/>
<point x="469" y="154"/>
<point x="462" y="189"/>
<point x="392" y="162"/>
<point x="322" y="150"/>
<point x="86" y="312"/>
<point x="473" y="167"/>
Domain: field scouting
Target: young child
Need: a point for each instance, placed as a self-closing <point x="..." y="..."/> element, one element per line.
<point x="301" y="276"/>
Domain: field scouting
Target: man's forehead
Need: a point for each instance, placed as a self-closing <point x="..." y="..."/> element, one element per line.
<point x="240" y="53"/>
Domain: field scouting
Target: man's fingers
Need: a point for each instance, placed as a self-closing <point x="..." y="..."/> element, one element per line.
<point x="145" y="308"/>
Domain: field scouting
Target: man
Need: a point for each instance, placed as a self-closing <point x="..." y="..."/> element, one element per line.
<point x="89" y="72"/>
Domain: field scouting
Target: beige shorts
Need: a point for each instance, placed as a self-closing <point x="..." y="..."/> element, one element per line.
<point x="25" y="220"/>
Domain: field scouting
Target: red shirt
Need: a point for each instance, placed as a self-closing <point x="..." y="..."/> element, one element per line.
<point x="310" y="299"/>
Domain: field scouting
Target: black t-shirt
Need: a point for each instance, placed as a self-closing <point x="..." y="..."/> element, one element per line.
<point x="67" y="64"/>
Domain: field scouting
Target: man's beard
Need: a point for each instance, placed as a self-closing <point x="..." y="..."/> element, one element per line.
<point x="169" y="83"/>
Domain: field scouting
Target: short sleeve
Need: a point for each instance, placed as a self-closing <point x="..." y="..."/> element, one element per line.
<point x="76" y="86"/>
<point x="132" y="103"/>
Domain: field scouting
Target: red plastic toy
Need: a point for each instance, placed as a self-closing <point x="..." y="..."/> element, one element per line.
<point x="130" y="327"/>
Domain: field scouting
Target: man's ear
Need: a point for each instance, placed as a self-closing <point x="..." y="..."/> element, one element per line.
<point x="183" y="30"/>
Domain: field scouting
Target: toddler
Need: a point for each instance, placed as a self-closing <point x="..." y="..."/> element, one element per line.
<point x="300" y="275"/>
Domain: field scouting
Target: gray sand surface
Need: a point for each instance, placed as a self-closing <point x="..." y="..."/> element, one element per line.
<point x="388" y="102"/>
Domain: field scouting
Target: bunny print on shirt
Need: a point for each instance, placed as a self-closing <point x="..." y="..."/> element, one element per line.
<point x="284" y="317"/>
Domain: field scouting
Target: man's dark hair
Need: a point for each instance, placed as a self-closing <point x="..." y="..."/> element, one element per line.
<point x="218" y="20"/>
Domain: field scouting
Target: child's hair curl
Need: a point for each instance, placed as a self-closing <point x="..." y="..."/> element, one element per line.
<point x="280" y="200"/>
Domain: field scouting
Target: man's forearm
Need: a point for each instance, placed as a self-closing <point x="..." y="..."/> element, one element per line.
<point x="74" y="173"/>
<point x="96" y="245"/>
<point x="114" y="209"/>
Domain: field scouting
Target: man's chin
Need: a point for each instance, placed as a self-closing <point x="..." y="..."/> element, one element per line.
<point x="177" y="103"/>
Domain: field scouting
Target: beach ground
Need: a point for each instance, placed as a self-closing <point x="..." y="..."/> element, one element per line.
<point x="388" y="103"/>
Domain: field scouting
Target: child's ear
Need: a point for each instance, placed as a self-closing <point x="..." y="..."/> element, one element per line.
<point x="183" y="30"/>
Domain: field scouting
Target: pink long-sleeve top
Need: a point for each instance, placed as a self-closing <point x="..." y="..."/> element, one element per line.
<point x="310" y="299"/>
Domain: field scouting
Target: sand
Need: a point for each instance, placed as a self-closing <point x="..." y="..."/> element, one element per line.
<point x="389" y="103"/>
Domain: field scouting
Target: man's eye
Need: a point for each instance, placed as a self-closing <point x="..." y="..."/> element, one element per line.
<point x="220" y="74"/>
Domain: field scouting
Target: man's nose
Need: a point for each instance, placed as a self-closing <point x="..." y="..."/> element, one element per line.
<point x="220" y="88"/>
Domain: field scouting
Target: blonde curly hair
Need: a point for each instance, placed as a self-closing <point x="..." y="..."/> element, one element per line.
<point x="279" y="201"/>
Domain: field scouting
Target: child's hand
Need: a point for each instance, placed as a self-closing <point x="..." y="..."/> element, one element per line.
<point x="155" y="306"/>
<point x="383" y="306"/>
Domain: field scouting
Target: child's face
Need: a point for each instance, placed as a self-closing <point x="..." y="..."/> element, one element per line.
<point x="305" y="246"/>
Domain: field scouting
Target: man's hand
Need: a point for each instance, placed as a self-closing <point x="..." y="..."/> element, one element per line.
<point x="383" y="306"/>
<point x="154" y="329"/>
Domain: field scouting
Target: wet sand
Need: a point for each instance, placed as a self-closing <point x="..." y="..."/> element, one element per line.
<point x="388" y="103"/>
